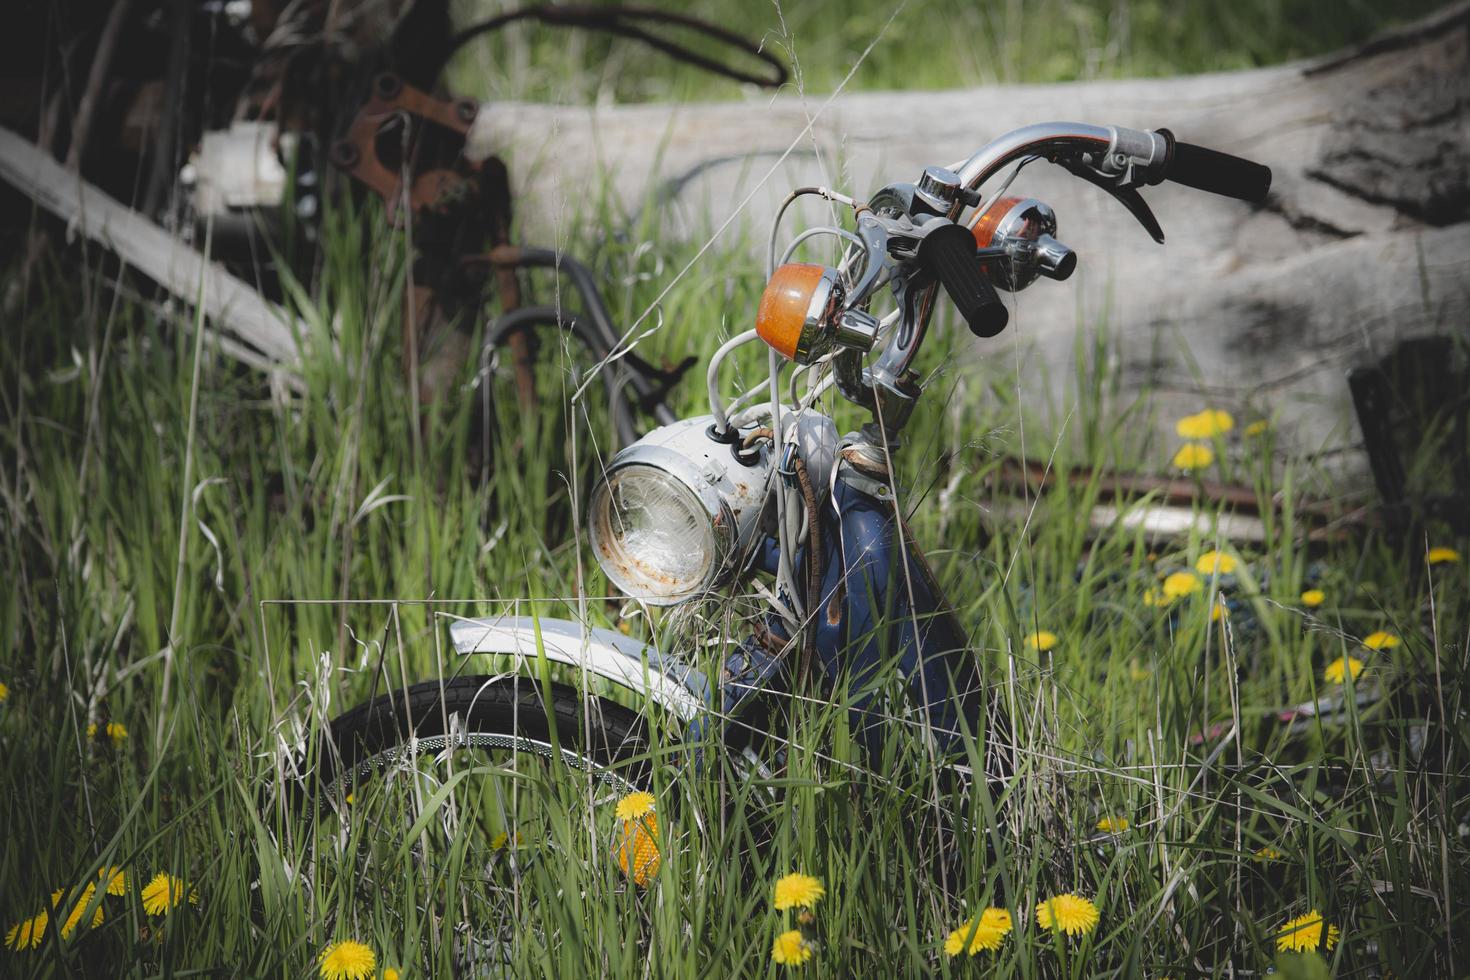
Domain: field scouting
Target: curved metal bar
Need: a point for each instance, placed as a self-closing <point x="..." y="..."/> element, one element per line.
<point x="1038" y="139"/>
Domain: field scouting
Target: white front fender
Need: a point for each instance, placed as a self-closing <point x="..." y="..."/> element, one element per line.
<point x="607" y="654"/>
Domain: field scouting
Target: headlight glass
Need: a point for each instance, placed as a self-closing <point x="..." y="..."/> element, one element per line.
<point x="652" y="535"/>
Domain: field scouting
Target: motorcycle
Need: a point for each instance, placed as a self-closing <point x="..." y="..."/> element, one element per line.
<point x="764" y="493"/>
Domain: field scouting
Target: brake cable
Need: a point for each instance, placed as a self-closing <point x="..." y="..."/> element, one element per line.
<point x="627" y="21"/>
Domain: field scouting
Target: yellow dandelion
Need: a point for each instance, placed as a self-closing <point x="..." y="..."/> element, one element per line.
<point x="116" y="879"/>
<point x="1181" y="584"/>
<point x="1193" y="456"/>
<point x="798" y="891"/>
<point x="114" y="730"/>
<point x="989" y="933"/>
<point x="1268" y="853"/>
<point x="1257" y="428"/>
<point x="1153" y="597"/>
<point x="1215" y="561"/>
<point x="1041" y="641"/>
<point x="347" y="960"/>
<point x="635" y="805"/>
<point x="28" y="933"/>
<point x="350" y="799"/>
<point x="1218" y="611"/>
<point x="503" y="840"/>
<point x="4" y="692"/>
<point x="791" y="948"/>
<point x="78" y="910"/>
<point x="390" y="974"/>
<point x="1380" y="641"/>
<point x="1312" y="598"/>
<point x="1339" y="670"/>
<point x="1305" y="934"/>
<point x="165" y="893"/>
<point x="1205" y="425"/>
<point x="1113" y="825"/>
<point x="1071" y="913"/>
<point x="1436" y="556"/>
<point x="637" y="846"/>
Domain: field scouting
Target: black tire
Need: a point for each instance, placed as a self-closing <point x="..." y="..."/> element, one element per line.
<point x="602" y="734"/>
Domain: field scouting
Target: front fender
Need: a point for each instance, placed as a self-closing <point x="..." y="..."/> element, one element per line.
<point x="632" y="668"/>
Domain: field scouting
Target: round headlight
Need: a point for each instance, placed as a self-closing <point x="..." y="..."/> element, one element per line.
<point x="675" y="511"/>
<point x="651" y="534"/>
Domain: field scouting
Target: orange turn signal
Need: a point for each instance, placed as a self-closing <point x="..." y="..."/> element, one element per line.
<point x="984" y="227"/>
<point x="794" y="309"/>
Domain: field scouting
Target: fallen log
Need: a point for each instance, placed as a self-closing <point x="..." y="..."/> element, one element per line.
<point x="1364" y="241"/>
<point x="240" y="323"/>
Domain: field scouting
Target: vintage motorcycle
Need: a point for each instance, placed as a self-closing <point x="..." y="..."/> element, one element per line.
<point x="765" y="492"/>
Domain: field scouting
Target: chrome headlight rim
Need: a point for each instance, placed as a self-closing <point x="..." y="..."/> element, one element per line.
<point x="730" y="495"/>
<point x="678" y="473"/>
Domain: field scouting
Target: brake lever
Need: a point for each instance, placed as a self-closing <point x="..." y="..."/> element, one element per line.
<point x="1126" y="195"/>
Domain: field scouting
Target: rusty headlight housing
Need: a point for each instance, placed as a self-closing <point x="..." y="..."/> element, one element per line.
<point x="675" y="514"/>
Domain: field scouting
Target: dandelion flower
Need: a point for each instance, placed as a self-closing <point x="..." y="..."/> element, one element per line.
<point x="4" y="692"/>
<point x="990" y="932"/>
<point x="791" y="948"/>
<point x="1257" y="428"/>
<point x="1113" y="825"/>
<point x="1312" y="598"/>
<point x="1205" y="425"/>
<point x="1153" y="597"/>
<point x="1193" y="456"/>
<point x="798" y="891"/>
<point x="390" y="974"/>
<point x="1268" y="853"/>
<point x="28" y="933"/>
<point x="1436" y="556"/>
<point x="1338" y="671"/>
<point x="1380" y="641"/>
<point x="636" y="847"/>
<point x="1041" y="641"/>
<point x="1181" y="584"/>
<point x="114" y="730"/>
<point x="347" y="960"/>
<point x="1218" y="611"/>
<point x="165" y="893"/>
<point x="1304" y="934"/>
<point x="635" y="805"/>
<point x="1071" y="913"/>
<point x="503" y="840"/>
<point x="78" y="910"/>
<point x="1215" y="561"/>
<point x="116" y="878"/>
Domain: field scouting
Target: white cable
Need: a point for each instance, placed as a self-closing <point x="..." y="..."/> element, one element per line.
<point x="821" y="230"/>
<point x="712" y="376"/>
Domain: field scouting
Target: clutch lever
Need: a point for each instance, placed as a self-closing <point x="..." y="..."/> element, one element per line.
<point x="1125" y="194"/>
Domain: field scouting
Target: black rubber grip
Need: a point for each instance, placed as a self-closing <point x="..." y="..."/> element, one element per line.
<point x="948" y="254"/>
<point x="1219" y="173"/>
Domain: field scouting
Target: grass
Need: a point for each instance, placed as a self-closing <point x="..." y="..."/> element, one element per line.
<point x="345" y="495"/>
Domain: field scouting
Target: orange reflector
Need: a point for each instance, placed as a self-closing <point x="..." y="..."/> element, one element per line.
<point x="785" y="307"/>
<point x="984" y="227"/>
<point x="637" y="850"/>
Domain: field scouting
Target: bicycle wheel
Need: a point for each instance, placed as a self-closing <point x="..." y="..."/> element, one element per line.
<point x="478" y="796"/>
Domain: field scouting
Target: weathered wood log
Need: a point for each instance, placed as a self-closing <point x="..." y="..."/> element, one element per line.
<point x="241" y="324"/>
<point x="1365" y="238"/>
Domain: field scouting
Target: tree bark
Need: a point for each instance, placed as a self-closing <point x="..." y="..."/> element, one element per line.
<point x="1365" y="238"/>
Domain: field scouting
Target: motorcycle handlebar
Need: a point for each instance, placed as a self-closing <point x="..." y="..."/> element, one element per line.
<point x="1219" y="173"/>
